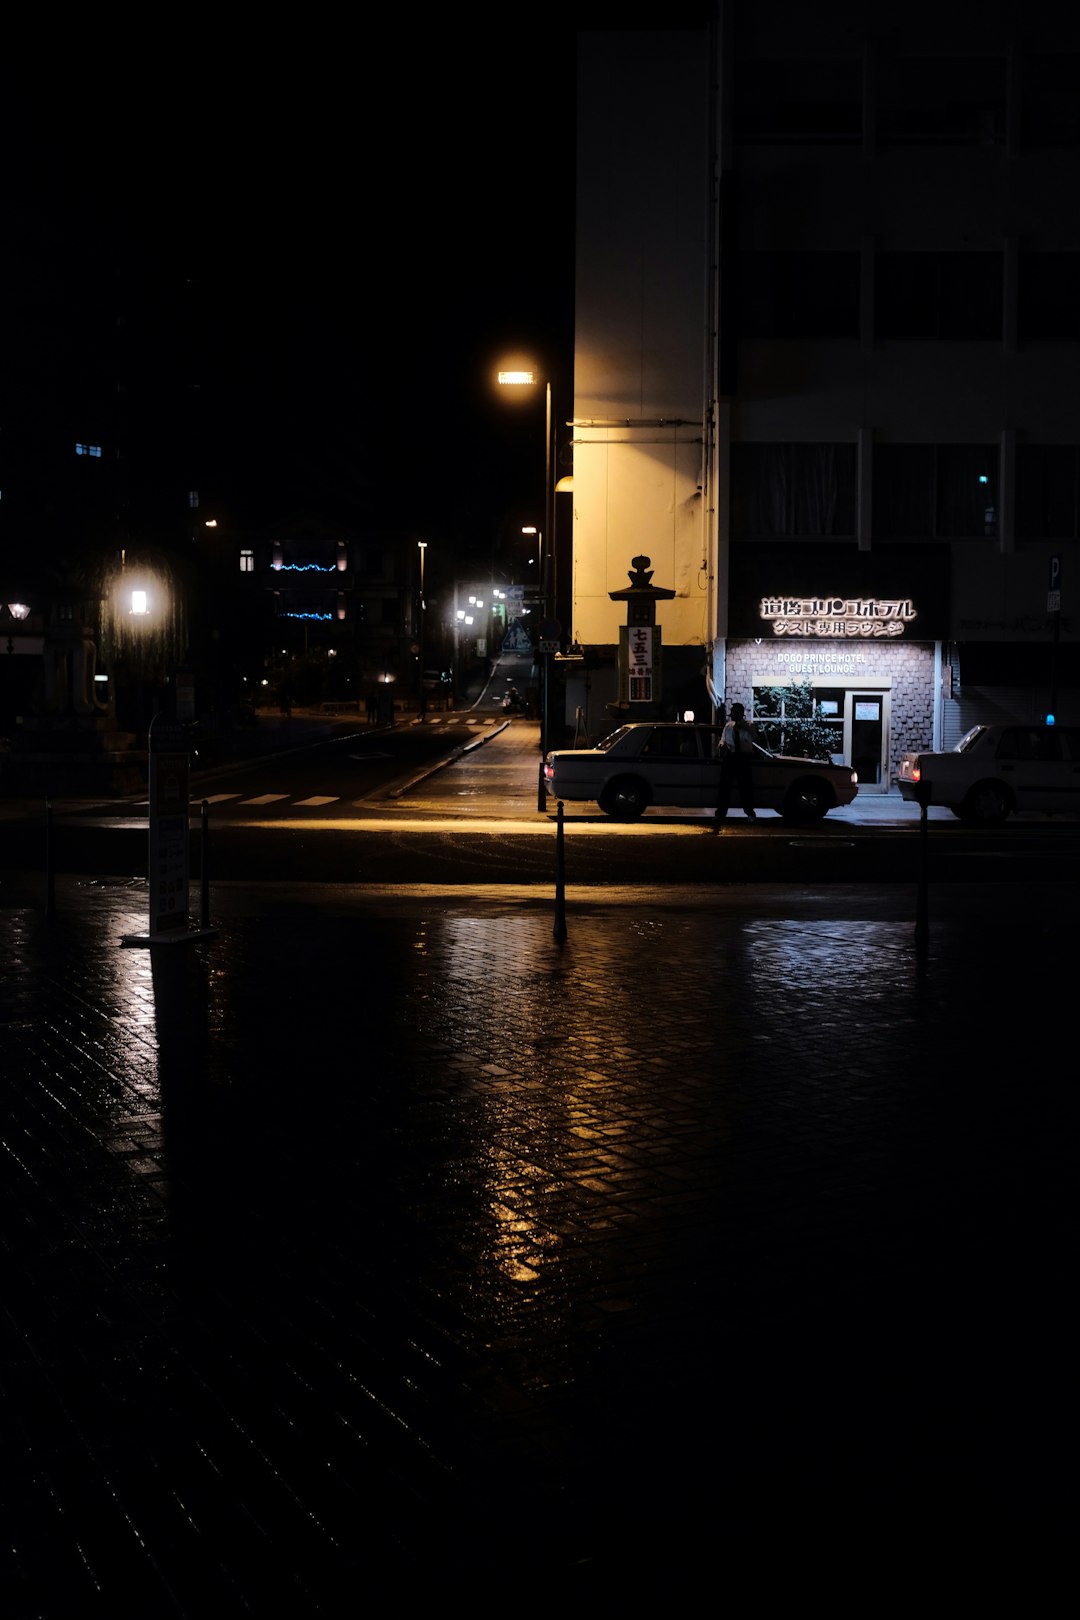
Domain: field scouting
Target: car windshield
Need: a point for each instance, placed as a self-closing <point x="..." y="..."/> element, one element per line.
<point x="609" y="742"/>
<point x="969" y="739"/>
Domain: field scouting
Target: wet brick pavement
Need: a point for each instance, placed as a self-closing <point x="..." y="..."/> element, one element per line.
<point x="382" y="1248"/>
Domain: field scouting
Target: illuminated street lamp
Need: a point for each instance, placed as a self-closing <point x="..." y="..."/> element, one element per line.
<point x="526" y="377"/>
<point x="531" y="529"/>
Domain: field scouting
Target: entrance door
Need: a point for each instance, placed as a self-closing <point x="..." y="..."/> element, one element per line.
<point x="869" y="734"/>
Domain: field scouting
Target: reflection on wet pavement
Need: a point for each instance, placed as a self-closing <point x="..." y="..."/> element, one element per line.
<point x="393" y="1249"/>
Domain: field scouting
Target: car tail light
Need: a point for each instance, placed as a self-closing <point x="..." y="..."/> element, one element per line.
<point x="549" y="771"/>
<point x="854" y="778"/>
<point x="916" y="772"/>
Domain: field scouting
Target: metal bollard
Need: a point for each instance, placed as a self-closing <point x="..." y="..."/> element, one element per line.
<point x="922" y="925"/>
<point x="559" y="929"/>
<point x="50" y="888"/>
<point x="204" y="867"/>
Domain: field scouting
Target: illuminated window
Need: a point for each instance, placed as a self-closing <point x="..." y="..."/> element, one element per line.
<point x="247" y="562"/>
<point x="88" y="449"/>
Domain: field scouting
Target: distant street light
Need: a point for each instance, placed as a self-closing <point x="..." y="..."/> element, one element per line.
<point x="531" y="529"/>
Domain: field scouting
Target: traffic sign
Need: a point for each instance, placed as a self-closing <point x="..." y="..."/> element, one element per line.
<point x="517" y="639"/>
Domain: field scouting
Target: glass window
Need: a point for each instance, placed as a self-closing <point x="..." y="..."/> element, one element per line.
<point x="793" y="489"/>
<point x="941" y="100"/>
<point x="938" y="295"/>
<point x="967" y="476"/>
<point x="1049" y="296"/>
<point x="1046" y="491"/>
<point x="672" y="742"/>
<point x="1028" y="743"/>
<point x="903" y="491"/>
<point x="804" y="101"/>
<point x="1051" y="105"/>
<point x="797" y="295"/>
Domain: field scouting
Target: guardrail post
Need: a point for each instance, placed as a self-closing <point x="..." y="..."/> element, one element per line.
<point x="922" y="925"/>
<point x="50" y="888"/>
<point x="559" y="930"/>
<point x="204" y="867"/>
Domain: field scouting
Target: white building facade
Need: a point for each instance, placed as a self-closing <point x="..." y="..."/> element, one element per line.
<point x="827" y="331"/>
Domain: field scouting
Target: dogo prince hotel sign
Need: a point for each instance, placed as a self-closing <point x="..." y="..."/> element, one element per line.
<point x="836" y="616"/>
<point x="894" y="593"/>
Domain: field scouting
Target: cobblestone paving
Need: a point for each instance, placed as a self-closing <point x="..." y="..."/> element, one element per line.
<point x="352" y="1256"/>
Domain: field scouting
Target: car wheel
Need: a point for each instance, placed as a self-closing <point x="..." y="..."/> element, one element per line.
<point x="625" y="798"/>
<point x="807" y="800"/>
<point x="988" y="803"/>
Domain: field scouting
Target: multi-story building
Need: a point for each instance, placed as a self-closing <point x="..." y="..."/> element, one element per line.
<point x="827" y="336"/>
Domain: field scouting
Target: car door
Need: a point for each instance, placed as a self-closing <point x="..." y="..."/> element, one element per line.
<point x="1029" y="759"/>
<point x="675" y="769"/>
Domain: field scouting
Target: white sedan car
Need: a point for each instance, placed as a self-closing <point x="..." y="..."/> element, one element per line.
<point x="996" y="770"/>
<point x="664" y="763"/>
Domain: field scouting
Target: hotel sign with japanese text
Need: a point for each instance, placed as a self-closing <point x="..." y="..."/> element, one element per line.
<point x="837" y="615"/>
<point x="838" y="593"/>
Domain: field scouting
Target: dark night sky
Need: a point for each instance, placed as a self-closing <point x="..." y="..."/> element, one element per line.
<point x="357" y="226"/>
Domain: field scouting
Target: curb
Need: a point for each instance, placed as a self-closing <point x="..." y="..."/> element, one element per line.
<point x="448" y="759"/>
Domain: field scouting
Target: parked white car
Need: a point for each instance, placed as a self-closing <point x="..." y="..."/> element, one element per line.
<point x="661" y="763"/>
<point x="996" y="770"/>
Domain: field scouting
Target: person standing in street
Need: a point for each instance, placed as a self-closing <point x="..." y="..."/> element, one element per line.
<point x="736" y="767"/>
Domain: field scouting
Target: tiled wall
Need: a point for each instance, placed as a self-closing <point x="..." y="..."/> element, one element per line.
<point x="909" y="669"/>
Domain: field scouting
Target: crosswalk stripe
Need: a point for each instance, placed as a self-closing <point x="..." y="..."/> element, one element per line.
<point x="319" y="798"/>
<point x="266" y="798"/>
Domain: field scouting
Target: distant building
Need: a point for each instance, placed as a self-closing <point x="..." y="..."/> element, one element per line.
<point x="826" y="348"/>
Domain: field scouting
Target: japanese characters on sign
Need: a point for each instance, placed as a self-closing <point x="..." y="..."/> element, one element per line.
<point x="837" y="615"/>
<point x="640" y="663"/>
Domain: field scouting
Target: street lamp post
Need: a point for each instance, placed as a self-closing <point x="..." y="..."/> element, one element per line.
<point x="422" y="547"/>
<point x="526" y="377"/>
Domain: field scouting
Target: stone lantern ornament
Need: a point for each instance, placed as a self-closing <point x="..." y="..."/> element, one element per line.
<point x="640" y="664"/>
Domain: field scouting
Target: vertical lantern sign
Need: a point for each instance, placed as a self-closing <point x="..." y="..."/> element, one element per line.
<point x="640" y="662"/>
<point x="169" y="790"/>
